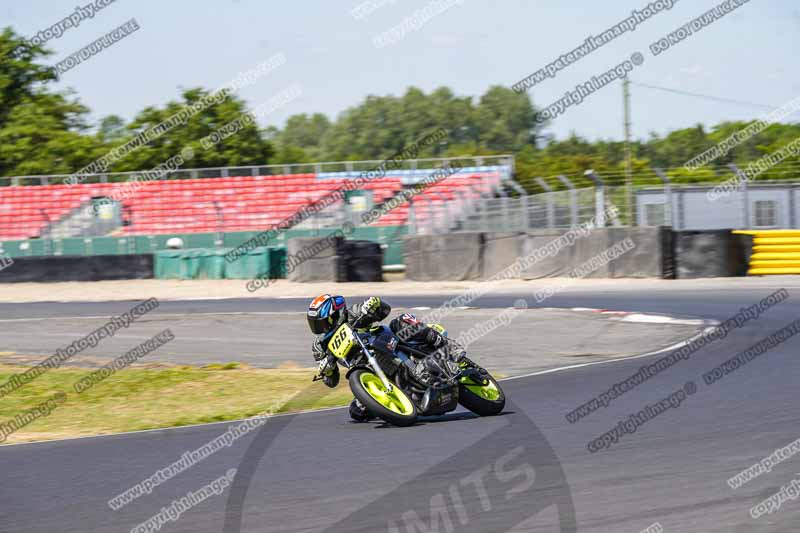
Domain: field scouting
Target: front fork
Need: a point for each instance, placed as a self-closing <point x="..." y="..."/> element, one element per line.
<point x="472" y="371"/>
<point x="374" y="363"/>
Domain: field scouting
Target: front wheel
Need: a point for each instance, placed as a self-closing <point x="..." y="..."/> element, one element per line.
<point x="483" y="400"/>
<point x="393" y="407"/>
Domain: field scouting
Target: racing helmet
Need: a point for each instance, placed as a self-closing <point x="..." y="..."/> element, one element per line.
<point x="325" y="313"/>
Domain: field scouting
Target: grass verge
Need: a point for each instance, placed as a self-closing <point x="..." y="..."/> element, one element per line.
<point x="147" y="398"/>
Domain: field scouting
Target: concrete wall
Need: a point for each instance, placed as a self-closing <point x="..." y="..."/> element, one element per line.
<point x="546" y="265"/>
<point x="453" y="256"/>
<point x="540" y="254"/>
<point x="333" y="259"/>
<point x="323" y="266"/>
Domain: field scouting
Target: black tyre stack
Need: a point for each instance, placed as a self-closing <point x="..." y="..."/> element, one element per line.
<point x="359" y="261"/>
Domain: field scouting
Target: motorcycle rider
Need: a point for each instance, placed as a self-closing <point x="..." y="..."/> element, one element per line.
<point x="326" y="313"/>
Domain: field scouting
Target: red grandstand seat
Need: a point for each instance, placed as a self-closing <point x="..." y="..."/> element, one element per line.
<point x="247" y="202"/>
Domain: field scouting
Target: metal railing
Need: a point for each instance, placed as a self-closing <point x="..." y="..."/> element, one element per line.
<point x="684" y="206"/>
<point x="269" y="170"/>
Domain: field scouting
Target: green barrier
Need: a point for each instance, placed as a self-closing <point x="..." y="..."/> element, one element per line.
<point x="203" y="263"/>
<point x="166" y="264"/>
<point x="267" y="262"/>
<point x="211" y="265"/>
<point x="391" y="236"/>
<point x="186" y="264"/>
<point x="254" y="264"/>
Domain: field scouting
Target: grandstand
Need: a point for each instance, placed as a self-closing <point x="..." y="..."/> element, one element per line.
<point x="231" y="204"/>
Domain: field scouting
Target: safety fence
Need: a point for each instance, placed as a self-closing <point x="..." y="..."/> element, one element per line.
<point x="684" y="207"/>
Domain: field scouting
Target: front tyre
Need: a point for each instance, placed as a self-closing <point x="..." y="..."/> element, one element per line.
<point x="483" y="400"/>
<point x="393" y="407"/>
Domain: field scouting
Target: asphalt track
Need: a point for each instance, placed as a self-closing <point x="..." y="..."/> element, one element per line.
<point x="679" y="302"/>
<point x="273" y="339"/>
<point x="529" y="469"/>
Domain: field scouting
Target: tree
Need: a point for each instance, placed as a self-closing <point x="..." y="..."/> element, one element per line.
<point x="112" y="129"/>
<point x="305" y="132"/>
<point x="39" y="137"/>
<point x="41" y="132"/>
<point x="20" y="74"/>
<point x="287" y="154"/>
<point x="506" y="120"/>
<point x="241" y="141"/>
<point x="677" y="147"/>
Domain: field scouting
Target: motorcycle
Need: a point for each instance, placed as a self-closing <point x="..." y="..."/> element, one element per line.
<point x="397" y="392"/>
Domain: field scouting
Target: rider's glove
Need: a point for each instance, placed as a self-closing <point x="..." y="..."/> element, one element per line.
<point x="317" y="350"/>
<point x="371" y="310"/>
<point x="329" y="371"/>
<point x="370" y="306"/>
<point x="435" y="339"/>
<point x="325" y="367"/>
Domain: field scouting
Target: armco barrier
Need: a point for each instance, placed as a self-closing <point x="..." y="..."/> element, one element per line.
<point x="453" y="256"/>
<point x="78" y="268"/>
<point x="774" y="252"/>
<point x="710" y="254"/>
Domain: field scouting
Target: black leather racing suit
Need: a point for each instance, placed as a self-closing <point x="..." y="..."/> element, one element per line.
<point x="361" y="316"/>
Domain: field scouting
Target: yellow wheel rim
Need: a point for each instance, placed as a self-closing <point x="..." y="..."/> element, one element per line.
<point x="487" y="392"/>
<point x="395" y="401"/>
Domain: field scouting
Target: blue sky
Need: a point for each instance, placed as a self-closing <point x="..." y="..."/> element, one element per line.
<point x="748" y="55"/>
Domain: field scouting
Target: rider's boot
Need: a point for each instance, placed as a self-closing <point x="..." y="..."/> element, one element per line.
<point x="358" y="412"/>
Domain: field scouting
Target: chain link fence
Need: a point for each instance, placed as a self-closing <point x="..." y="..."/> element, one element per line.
<point x="557" y="209"/>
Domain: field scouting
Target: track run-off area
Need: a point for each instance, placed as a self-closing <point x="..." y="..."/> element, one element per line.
<point x="671" y="445"/>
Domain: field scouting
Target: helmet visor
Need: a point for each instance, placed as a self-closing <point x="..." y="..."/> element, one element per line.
<point x="319" y="325"/>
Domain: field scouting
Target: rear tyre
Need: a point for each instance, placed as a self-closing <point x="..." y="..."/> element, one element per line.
<point x="393" y="407"/>
<point x="483" y="400"/>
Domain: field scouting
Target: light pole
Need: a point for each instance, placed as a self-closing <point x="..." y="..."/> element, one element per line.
<point x="626" y="97"/>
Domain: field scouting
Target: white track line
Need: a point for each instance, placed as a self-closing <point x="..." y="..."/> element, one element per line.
<point x="675" y="346"/>
<point x="162" y="315"/>
<point x="208" y="424"/>
<point x="642" y="318"/>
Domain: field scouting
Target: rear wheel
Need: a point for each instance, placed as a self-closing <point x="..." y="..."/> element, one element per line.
<point x="483" y="400"/>
<point x="392" y="406"/>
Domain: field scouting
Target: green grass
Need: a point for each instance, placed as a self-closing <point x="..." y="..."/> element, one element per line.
<point x="147" y="398"/>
